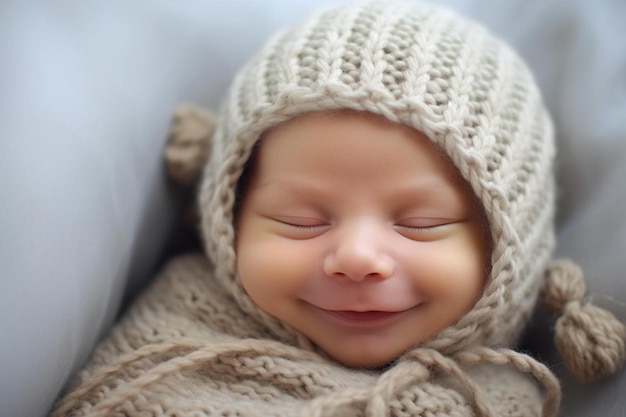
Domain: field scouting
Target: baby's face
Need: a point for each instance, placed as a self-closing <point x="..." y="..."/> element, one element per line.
<point x="359" y="234"/>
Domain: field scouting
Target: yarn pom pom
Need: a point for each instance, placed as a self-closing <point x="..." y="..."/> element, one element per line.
<point x="189" y="144"/>
<point x="590" y="340"/>
<point x="564" y="283"/>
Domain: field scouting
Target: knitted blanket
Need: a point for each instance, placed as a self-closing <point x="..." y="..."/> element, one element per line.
<point x="186" y="349"/>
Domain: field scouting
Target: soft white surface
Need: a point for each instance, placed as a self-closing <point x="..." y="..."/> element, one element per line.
<point x="86" y="92"/>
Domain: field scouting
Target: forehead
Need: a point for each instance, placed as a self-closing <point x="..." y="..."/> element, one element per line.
<point x="340" y="142"/>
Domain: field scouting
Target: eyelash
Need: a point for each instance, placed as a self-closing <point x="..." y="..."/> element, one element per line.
<point x="305" y="226"/>
<point x="302" y="226"/>
<point x="420" y="228"/>
<point x="405" y="227"/>
<point x="435" y="224"/>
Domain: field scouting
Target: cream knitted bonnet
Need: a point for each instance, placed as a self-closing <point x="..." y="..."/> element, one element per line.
<point x="470" y="94"/>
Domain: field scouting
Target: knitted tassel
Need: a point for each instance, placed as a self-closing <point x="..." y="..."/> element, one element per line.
<point x="590" y="340"/>
<point x="189" y="145"/>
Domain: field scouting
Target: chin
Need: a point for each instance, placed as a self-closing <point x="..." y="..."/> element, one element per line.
<point x="365" y="358"/>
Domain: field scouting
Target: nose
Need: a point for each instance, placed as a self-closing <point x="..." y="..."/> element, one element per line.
<point x="359" y="254"/>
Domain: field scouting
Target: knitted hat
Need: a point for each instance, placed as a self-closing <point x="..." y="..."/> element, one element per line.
<point x="427" y="68"/>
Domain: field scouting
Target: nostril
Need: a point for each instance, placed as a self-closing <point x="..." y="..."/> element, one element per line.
<point x="375" y="275"/>
<point x="372" y="268"/>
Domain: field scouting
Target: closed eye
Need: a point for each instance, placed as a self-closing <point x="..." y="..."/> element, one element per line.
<point x="423" y="223"/>
<point x="301" y="227"/>
<point x="301" y="222"/>
<point x="424" y="229"/>
<point x="304" y="226"/>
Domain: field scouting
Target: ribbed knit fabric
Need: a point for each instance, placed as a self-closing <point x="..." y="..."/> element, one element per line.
<point x="196" y="345"/>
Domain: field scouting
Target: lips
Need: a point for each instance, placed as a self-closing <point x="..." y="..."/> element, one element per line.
<point x="371" y="318"/>
<point x="361" y="315"/>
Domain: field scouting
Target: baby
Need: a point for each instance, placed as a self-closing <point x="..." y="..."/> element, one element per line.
<point x="377" y="212"/>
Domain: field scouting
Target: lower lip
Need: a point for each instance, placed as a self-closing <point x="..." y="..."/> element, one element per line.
<point x="362" y="319"/>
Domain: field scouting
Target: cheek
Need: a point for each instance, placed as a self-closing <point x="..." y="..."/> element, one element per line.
<point x="271" y="269"/>
<point x="454" y="270"/>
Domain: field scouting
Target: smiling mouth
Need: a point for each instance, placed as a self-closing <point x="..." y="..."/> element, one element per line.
<point x="362" y="315"/>
<point x="363" y="318"/>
